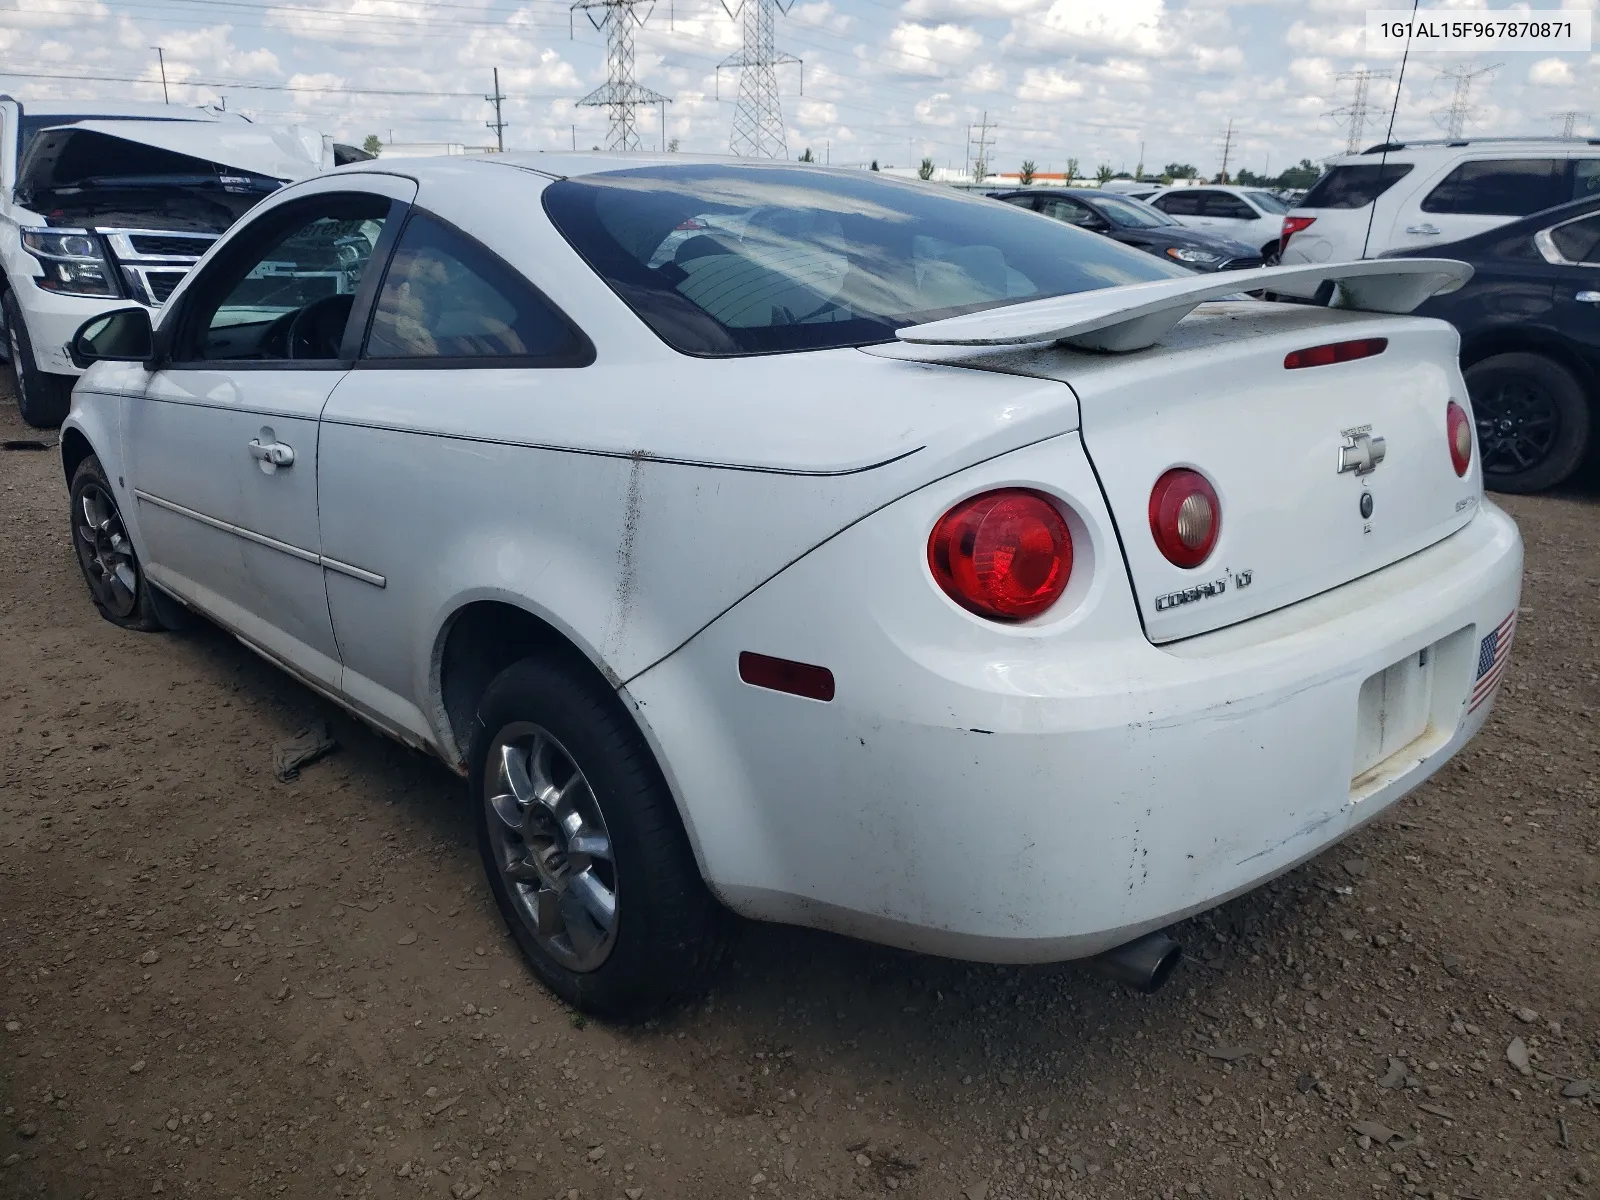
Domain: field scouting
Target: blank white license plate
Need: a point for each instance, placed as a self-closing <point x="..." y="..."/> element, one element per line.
<point x="1394" y="710"/>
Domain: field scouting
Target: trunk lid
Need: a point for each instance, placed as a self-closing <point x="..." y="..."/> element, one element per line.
<point x="1214" y="395"/>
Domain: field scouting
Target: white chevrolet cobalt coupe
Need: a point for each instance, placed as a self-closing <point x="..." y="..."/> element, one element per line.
<point x="842" y="551"/>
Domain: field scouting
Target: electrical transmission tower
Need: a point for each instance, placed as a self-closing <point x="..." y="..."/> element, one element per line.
<point x="1360" y="107"/>
<point x="1569" y="121"/>
<point x="620" y="95"/>
<point x="758" y="116"/>
<point x="1460" y="110"/>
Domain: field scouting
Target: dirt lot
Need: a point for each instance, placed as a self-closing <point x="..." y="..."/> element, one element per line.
<point x="215" y="984"/>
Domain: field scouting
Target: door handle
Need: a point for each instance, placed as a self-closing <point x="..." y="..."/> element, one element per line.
<point x="276" y="453"/>
<point x="1587" y="297"/>
<point x="1430" y="230"/>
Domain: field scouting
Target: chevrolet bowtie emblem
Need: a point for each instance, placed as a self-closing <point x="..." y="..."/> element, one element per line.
<point x="1360" y="453"/>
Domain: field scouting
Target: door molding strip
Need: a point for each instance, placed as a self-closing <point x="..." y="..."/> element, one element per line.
<point x="261" y="539"/>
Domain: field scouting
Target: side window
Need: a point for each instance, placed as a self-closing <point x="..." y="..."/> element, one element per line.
<point x="1222" y="204"/>
<point x="1019" y="201"/>
<point x="1510" y="187"/>
<point x="1179" y="204"/>
<point x="283" y="291"/>
<point x="1069" y="211"/>
<point x="447" y="297"/>
<point x="1578" y="241"/>
<point x="1585" y="178"/>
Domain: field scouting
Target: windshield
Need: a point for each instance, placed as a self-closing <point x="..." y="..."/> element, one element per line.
<point x="1267" y="202"/>
<point x="1132" y="214"/>
<point x="731" y="260"/>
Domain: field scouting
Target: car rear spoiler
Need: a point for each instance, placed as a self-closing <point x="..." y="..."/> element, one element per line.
<point x="1136" y="315"/>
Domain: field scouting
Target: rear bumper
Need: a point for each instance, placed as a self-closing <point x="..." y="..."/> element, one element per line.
<point x="1059" y="798"/>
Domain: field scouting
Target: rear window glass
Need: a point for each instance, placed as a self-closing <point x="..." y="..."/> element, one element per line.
<point x="1178" y="204"/>
<point x="733" y="260"/>
<point x="1269" y="203"/>
<point x="1354" y="186"/>
<point x="1511" y="187"/>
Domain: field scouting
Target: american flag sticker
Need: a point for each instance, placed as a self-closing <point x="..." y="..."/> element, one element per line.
<point x="1493" y="654"/>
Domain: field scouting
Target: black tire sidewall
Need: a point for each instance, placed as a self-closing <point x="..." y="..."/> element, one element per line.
<point x="1572" y="438"/>
<point x="666" y="925"/>
<point x="143" y="616"/>
<point x="43" y="400"/>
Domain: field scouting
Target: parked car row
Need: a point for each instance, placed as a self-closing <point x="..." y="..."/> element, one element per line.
<point x="802" y="542"/>
<point x="1135" y="223"/>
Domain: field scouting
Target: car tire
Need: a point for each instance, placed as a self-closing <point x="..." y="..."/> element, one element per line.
<point x="607" y="831"/>
<point x="106" y="556"/>
<point x="43" y="399"/>
<point x="1533" y="421"/>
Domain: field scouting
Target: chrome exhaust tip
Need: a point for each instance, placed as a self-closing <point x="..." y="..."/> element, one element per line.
<point x="1144" y="964"/>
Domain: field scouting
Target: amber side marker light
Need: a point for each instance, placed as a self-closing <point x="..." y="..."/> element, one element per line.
<point x="785" y="675"/>
<point x="1334" y="352"/>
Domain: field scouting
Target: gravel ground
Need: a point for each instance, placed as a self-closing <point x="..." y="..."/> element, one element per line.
<point x="215" y="984"/>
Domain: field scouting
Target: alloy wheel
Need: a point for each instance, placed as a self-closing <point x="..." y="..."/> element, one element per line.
<point x="551" y="846"/>
<point x="1518" y="423"/>
<point x="105" y="551"/>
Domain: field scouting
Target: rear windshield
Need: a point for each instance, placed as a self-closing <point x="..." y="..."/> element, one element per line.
<point x="734" y="260"/>
<point x="1354" y="186"/>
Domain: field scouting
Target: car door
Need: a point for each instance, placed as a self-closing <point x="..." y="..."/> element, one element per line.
<point x="1182" y="206"/>
<point x="221" y="440"/>
<point x="431" y="447"/>
<point x="1478" y="195"/>
<point x="1573" y="248"/>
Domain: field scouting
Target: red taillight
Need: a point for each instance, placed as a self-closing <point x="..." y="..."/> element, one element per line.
<point x="1185" y="517"/>
<point x="785" y="675"/>
<point x="1334" y="352"/>
<point x="1459" y="431"/>
<point x="1292" y="226"/>
<point x="1006" y="555"/>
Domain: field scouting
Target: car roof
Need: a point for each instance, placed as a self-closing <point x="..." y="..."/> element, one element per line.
<point x="1464" y="148"/>
<point x="115" y="108"/>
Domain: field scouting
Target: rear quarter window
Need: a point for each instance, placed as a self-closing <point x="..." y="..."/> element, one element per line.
<point x="1508" y="187"/>
<point x="1355" y="186"/>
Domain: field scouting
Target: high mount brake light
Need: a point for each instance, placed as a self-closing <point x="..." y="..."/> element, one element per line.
<point x="1334" y="352"/>
<point x="1292" y="226"/>
<point x="1185" y="517"/>
<point x="1005" y="555"/>
<point x="1459" y="430"/>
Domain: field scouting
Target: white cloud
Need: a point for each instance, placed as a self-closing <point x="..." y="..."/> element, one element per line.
<point x="1048" y="83"/>
<point x="1128" y="26"/>
<point x="1550" y="72"/>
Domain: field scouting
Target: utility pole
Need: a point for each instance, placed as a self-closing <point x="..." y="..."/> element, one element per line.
<point x="1460" y="109"/>
<point x="162" y="60"/>
<point x="1360" y="107"/>
<point x="980" y="165"/>
<point x="619" y="95"/>
<point x="758" y="114"/>
<point x="498" y="125"/>
<point x="1569" y="121"/>
<point x="1227" y="149"/>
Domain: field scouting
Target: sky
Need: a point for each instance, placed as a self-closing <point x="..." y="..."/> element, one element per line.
<point x="1118" y="82"/>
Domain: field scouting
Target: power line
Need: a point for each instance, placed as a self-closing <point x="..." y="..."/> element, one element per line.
<point x="758" y="114"/>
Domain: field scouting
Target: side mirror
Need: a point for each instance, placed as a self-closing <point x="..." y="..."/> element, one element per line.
<point x="120" y="336"/>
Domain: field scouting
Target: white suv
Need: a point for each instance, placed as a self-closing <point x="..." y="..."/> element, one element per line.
<point x="1407" y="195"/>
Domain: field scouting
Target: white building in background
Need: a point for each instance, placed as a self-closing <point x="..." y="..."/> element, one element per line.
<point x="431" y="149"/>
